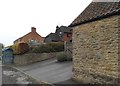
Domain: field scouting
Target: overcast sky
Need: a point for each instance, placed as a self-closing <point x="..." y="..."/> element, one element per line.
<point x="18" y="16"/>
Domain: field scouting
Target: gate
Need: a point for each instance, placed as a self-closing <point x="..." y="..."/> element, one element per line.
<point x="7" y="56"/>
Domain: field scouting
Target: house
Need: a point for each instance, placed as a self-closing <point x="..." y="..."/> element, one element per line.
<point x="64" y="32"/>
<point x="52" y="37"/>
<point x="31" y="38"/>
<point x="95" y="44"/>
<point x="61" y="34"/>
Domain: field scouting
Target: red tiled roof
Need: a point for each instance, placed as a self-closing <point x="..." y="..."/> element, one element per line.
<point x="97" y="10"/>
<point x="26" y="35"/>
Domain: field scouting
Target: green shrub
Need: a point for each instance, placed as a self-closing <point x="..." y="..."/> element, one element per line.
<point x="48" y="48"/>
<point x="61" y="57"/>
<point x="57" y="46"/>
<point x="42" y="49"/>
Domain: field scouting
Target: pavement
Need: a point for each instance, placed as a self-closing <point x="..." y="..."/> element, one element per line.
<point x="11" y="76"/>
<point x="50" y="71"/>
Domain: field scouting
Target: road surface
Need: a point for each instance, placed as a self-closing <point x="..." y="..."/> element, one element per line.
<point x="49" y="70"/>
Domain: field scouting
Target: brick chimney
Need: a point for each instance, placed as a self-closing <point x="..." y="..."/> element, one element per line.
<point x="33" y="29"/>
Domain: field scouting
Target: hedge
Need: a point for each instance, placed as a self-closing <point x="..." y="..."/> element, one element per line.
<point x="48" y="48"/>
<point x="61" y="57"/>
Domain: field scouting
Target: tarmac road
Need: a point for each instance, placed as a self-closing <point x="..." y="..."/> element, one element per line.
<point x="49" y="70"/>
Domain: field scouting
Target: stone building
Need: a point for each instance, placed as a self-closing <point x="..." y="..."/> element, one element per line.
<point x="32" y="37"/>
<point x="95" y="44"/>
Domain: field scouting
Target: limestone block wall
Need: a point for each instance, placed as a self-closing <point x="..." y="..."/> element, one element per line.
<point x="32" y="58"/>
<point x="95" y="51"/>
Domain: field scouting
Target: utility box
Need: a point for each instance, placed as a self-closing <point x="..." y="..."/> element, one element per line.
<point x="7" y="56"/>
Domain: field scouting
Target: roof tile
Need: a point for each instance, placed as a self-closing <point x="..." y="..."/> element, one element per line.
<point x="97" y="10"/>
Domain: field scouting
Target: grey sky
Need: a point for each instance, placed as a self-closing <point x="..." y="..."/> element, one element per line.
<point x="18" y="16"/>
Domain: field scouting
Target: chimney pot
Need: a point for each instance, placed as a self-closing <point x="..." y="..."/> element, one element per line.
<point x="33" y="29"/>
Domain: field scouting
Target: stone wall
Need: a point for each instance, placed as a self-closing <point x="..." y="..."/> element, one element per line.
<point x="32" y="57"/>
<point x="95" y="51"/>
<point x="68" y="49"/>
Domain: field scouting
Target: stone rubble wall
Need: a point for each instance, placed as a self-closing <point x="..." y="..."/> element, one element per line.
<point x="32" y="58"/>
<point x="68" y="49"/>
<point x="95" y="51"/>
